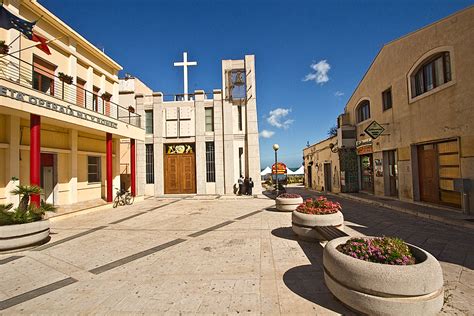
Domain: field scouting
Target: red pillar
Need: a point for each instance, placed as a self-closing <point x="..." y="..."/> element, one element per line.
<point x="35" y="154"/>
<point x="132" y="167"/>
<point x="109" y="166"/>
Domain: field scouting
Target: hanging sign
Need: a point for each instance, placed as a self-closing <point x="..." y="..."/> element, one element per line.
<point x="374" y="130"/>
<point x="179" y="149"/>
<point x="281" y="168"/>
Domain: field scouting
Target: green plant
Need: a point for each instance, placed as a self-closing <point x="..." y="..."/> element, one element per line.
<point x="106" y="96"/>
<point x="65" y="78"/>
<point x="25" y="212"/>
<point x="386" y="250"/>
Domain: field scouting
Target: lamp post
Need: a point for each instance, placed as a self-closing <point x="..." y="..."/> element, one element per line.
<point x="275" y="148"/>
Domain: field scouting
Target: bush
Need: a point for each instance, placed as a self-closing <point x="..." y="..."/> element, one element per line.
<point x="25" y="212"/>
<point x="289" y="196"/>
<point x="320" y="206"/>
<point x="385" y="250"/>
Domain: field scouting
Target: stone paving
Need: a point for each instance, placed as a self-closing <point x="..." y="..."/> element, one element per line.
<point x="198" y="256"/>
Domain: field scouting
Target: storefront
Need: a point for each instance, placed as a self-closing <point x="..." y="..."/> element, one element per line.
<point x="366" y="165"/>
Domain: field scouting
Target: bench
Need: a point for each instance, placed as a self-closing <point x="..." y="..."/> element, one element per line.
<point x="330" y="232"/>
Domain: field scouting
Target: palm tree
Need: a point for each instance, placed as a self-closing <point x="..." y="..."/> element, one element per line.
<point x="25" y="191"/>
<point x="25" y="212"/>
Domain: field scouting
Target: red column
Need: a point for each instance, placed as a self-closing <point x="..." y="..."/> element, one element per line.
<point x="35" y="155"/>
<point x="109" y="166"/>
<point x="132" y="167"/>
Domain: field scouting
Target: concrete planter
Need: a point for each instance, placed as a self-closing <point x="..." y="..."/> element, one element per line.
<point x="23" y="235"/>
<point x="303" y="224"/>
<point x="288" y="204"/>
<point x="383" y="289"/>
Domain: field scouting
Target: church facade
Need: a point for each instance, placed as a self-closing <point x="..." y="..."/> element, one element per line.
<point x="200" y="143"/>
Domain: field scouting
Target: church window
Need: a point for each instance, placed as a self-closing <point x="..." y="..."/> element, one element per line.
<point x="209" y="119"/>
<point x="239" y="107"/>
<point x="149" y="121"/>
<point x="150" y="172"/>
<point x="210" y="162"/>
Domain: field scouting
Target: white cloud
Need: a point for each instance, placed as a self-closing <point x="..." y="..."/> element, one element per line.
<point x="278" y="118"/>
<point x="266" y="133"/>
<point x="338" y="94"/>
<point x="320" y="74"/>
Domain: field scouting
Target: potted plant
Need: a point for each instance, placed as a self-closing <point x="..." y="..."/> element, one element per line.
<point x="106" y="96"/>
<point x="288" y="202"/>
<point x="4" y="48"/>
<point x="65" y="78"/>
<point x="383" y="276"/>
<point x="24" y="225"/>
<point x="131" y="109"/>
<point x="313" y="213"/>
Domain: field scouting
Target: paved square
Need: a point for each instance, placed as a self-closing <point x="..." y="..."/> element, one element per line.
<point x="198" y="256"/>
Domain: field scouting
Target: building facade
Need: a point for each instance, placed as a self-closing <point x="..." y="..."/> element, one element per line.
<point x="410" y="118"/>
<point x="201" y="143"/>
<point x="60" y="122"/>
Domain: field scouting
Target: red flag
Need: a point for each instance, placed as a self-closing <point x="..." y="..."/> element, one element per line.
<point x="43" y="45"/>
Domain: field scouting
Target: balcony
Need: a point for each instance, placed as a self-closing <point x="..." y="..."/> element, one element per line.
<point x="46" y="82"/>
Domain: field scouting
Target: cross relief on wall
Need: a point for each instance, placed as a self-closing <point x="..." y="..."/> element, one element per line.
<point x="179" y="122"/>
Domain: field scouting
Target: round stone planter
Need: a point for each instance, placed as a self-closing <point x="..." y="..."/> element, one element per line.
<point x="383" y="289"/>
<point x="303" y="224"/>
<point x="288" y="204"/>
<point x="23" y="235"/>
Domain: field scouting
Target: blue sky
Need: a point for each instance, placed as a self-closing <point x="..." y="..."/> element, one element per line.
<point x="338" y="38"/>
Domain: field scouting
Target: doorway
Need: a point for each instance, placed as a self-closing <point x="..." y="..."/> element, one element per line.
<point x="310" y="178"/>
<point x="367" y="173"/>
<point x="48" y="178"/>
<point x="180" y="169"/>
<point x="327" y="177"/>
<point x="428" y="173"/>
<point x="391" y="173"/>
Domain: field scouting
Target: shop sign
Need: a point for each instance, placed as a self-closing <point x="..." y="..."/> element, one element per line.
<point x="179" y="149"/>
<point x="281" y="168"/>
<point x="374" y="130"/>
<point x="364" y="147"/>
<point x="24" y="97"/>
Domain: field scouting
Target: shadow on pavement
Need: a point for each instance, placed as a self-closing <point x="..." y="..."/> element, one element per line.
<point x="285" y="233"/>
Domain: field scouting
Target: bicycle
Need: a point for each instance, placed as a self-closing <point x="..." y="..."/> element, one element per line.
<point x="123" y="197"/>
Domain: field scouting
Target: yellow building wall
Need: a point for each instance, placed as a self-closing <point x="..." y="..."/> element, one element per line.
<point x="3" y="131"/>
<point x="3" y="180"/>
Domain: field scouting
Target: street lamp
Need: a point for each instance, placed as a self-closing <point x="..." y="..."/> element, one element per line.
<point x="275" y="148"/>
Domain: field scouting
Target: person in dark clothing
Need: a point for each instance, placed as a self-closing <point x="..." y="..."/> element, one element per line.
<point x="250" y="187"/>
<point x="246" y="185"/>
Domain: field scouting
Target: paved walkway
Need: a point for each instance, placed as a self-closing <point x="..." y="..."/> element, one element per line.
<point x="188" y="256"/>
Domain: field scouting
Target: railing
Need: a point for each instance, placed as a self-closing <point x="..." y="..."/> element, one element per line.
<point x="23" y="73"/>
<point x="181" y="97"/>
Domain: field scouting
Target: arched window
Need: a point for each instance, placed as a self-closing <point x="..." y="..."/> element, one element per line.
<point x="432" y="73"/>
<point x="363" y="111"/>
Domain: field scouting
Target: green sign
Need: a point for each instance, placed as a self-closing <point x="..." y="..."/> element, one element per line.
<point x="374" y="130"/>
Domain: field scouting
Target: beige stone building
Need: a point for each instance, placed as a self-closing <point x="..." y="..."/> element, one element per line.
<point x="60" y="122"/>
<point x="419" y="89"/>
<point x="199" y="143"/>
<point x="322" y="169"/>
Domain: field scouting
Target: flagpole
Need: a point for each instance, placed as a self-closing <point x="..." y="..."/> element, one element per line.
<point x="23" y="49"/>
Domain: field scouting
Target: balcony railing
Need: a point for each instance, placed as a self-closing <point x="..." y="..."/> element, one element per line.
<point x="24" y="74"/>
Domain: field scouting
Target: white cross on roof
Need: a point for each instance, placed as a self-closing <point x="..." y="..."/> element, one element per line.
<point x="185" y="65"/>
